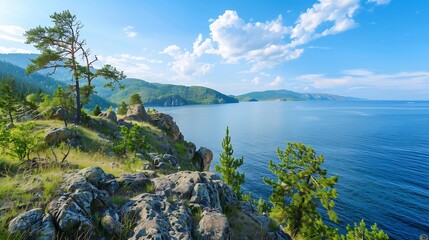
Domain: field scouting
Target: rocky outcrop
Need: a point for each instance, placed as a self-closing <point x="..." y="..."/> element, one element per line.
<point x="204" y="157"/>
<point x="56" y="135"/>
<point x="137" y="113"/>
<point x="34" y="223"/>
<point x="109" y="115"/>
<point x="166" y="122"/>
<point x="183" y="205"/>
<point x="213" y="225"/>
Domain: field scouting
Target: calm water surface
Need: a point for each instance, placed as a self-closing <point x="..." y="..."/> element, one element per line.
<point x="379" y="150"/>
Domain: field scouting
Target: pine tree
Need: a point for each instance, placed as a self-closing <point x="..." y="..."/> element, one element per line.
<point x="61" y="46"/>
<point x="97" y="110"/>
<point x="135" y="99"/>
<point x="302" y="187"/>
<point x="61" y="99"/>
<point x="228" y="165"/>
<point x="122" y="110"/>
<point x="8" y="101"/>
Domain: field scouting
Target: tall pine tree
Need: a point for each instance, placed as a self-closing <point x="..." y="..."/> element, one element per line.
<point x="228" y="165"/>
<point x="61" y="46"/>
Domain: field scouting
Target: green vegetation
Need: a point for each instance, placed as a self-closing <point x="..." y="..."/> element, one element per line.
<point x="132" y="140"/>
<point x="123" y="108"/>
<point x="96" y="111"/>
<point x="228" y="165"/>
<point x="135" y="99"/>
<point x="8" y="101"/>
<point x="155" y="94"/>
<point x="361" y="232"/>
<point x="302" y="186"/>
<point x="62" y="47"/>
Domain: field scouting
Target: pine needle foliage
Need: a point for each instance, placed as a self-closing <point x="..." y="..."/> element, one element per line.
<point x="228" y="165"/>
<point x="302" y="188"/>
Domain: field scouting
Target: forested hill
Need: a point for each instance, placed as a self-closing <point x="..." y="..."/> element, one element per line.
<point x="153" y="94"/>
<point x="30" y="83"/>
<point x="286" y="95"/>
<point x="156" y="94"/>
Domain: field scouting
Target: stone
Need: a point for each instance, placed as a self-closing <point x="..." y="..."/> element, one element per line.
<point x="161" y="165"/>
<point x="57" y="135"/>
<point x="47" y="230"/>
<point x="28" y="222"/>
<point x="190" y="150"/>
<point x="111" y="115"/>
<point x="166" y="122"/>
<point x="204" y="156"/>
<point x="213" y="225"/>
<point x="170" y="159"/>
<point x="110" y="222"/>
<point x="148" y="166"/>
<point x="137" y="113"/>
<point x="134" y="181"/>
<point x="158" y="218"/>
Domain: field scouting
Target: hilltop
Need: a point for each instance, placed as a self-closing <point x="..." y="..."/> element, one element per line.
<point x="287" y="95"/>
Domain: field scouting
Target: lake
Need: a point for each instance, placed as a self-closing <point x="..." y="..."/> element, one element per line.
<point x="379" y="150"/>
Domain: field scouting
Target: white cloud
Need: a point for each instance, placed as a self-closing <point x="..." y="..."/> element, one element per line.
<point x="187" y="64"/>
<point x="379" y="2"/>
<point x="12" y="33"/>
<point x="276" y="82"/>
<point x="129" y="31"/>
<point x="256" y="80"/>
<point x="339" y="13"/>
<point x="14" y="50"/>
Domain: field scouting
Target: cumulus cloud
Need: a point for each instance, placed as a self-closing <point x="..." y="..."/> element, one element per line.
<point x="186" y="63"/>
<point x="129" y="31"/>
<point x="338" y="13"/>
<point x="12" y="33"/>
<point x="379" y="2"/>
<point x="276" y="82"/>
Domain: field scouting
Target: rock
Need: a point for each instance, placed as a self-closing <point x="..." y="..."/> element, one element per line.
<point x="204" y="156"/>
<point x="47" y="230"/>
<point x="135" y="181"/>
<point x="170" y="159"/>
<point x="190" y="150"/>
<point x="158" y="218"/>
<point x="149" y="173"/>
<point x="213" y="225"/>
<point x="204" y="189"/>
<point x="166" y="122"/>
<point x="140" y="156"/>
<point x="137" y="113"/>
<point x="110" y="222"/>
<point x="57" y="135"/>
<point x="28" y="222"/>
<point x="263" y="221"/>
<point x="148" y="166"/>
<point x="109" y="115"/>
<point x="161" y="165"/>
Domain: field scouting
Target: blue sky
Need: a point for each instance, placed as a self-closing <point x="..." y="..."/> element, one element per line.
<point x="375" y="49"/>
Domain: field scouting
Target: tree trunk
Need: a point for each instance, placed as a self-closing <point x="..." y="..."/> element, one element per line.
<point x="10" y="116"/>
<point x="78" y="106"/>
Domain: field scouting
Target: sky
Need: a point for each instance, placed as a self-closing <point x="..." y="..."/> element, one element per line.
<point x="373" y="49"/>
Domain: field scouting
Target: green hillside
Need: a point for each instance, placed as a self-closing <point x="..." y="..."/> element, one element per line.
<point x="156" y="94"/>
<point x="27" y="83"/>
<point x="286" y="95"/>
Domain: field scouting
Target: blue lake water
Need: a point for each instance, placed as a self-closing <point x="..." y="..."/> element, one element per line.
<point x="379" y="150"/>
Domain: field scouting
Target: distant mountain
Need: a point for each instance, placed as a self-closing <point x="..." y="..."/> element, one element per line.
<point x="156" y="94"/>
<point x="28" y="83"/>
<point x="286" y="95"/>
